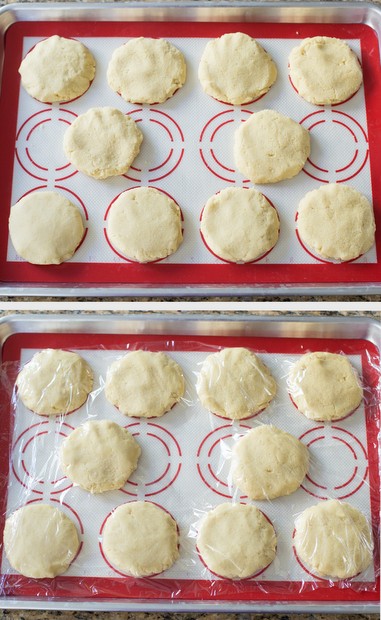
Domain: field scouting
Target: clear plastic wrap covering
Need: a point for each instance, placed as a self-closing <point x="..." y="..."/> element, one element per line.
<point x="185" y="468"/>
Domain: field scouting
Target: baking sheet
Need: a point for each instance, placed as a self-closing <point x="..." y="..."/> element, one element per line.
<point x="188" y="153"/>
<point x="181" y="490"/>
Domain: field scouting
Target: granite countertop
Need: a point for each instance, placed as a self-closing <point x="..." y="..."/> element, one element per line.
<point x="98" y="615"/>
<point x="102" y="310"/>
<point x="206" y="299"/>
<point x="67" y="615"/>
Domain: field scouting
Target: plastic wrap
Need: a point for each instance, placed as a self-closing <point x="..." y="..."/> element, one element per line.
<point x="185" y="468"/>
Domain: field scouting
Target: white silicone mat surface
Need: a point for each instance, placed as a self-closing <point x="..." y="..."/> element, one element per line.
<point x="188" y="152"/>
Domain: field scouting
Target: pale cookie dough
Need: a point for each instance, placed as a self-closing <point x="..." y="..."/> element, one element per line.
<point x="54" y="382"/>
<point x="270" y="147"/>
<point x="234" y="383"/>
<point x="236" y="541"/>
<point x="239" y="225"/>
<point x="99" y="456"/>
<point x="336" y="222"/>
<point x="57" y="69"/>
<point x="145" y="70"/>
<point x="325" y="70"/>
<point x="324" y="386"/>
<point x="268" y="463"/>
<point x="45" y="228"/>
<point x="236" y="69"/>
<point x="40" y="541"/>
<point x="334" y="539"/>
<point x="102" y="142"/>
<point x="144" y="384"/>
<point x="140" y="539"/>
<point x="144" y="224"/>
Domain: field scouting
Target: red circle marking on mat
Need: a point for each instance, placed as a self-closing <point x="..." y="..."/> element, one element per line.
<point x="101" y="541"/>
<point x="357" y="159"/>
<point x="29" y="154"/>
<point x="169" y="467"/>
<point x="208" y="149"/>
<point x="355" y="474"/>
<point x="172" y="158"/>
<point x="246" y="579"/>
<point x="251" y="262"/>
<point x="205" y="466"/>
<point x="125" y="258"/>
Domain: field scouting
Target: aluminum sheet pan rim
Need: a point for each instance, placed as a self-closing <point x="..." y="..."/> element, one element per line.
<point x="196" y="324"/>
<point x="188" y="607"/>
<point x="354" y="327"/>
<point x="207" y="291"/>
<point x="362" y="12"/>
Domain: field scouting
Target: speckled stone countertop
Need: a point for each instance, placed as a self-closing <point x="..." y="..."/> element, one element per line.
<point x="98" y="615"/>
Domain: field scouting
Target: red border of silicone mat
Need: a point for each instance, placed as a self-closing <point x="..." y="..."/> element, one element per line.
<point x="164" y="274"/>
<point x="71" y="587"/>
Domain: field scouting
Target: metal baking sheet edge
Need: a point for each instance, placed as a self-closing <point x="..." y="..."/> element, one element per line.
<point x="346" y="12"/>
<point x="287" y="326"/>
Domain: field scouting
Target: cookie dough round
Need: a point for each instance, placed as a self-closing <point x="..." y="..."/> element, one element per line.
<point x="236" y="541"/>
<point x="144" y="224"/>
<point x="236" y="69"/>
<point x="145" y="70"/>
<point x="270" y="147"/>
<point x="144" y="384"/>
<point x="334" y="539"/>
<point x="45" y="228"/>
<point x="57" y="69"/>
<point x="54" y="382"/>
<point x="324" y="386"/>
<point x="239" y="225"/>
<point x="40" y="541"/>
<point x="141" y="539"/>
<point x="268" y="463"/>
<point x="99" y="456"/>
<point x="234" y="383"/>
<point x="325" y="70"/>
<point x="336" y="222"/>
<point x="102" y="142"/>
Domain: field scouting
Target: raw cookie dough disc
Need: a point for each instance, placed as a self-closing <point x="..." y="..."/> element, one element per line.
<point x="144" y="224"/>
<point x="336" y="221"/>
<point x="140" y="539"/>
<point x="54" y="382"/>
<point x="235" y="69"/>
<point x="57" y="69"/>
<point x="236" y="541"/>
<point x="145" y="70"/>
<point x="325" y="70"/>
<point x="239" y="225"/>
<point x="269" y="463"/>
<point x="40" y="541"/>
<point x="45" y="228"/>
<point x="102" y="142"/>
<point x="324" y="386"/>
<point x="143" y="384"/>
<point x="270" y="147"/>
<point x="234" y="383"/>
<point x="99" y="456"/>
<point x="334" y="539"/>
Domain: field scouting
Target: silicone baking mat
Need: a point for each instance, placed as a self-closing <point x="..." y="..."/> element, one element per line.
<point x="187" y="152"/>
<point x="184" y="468"/>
